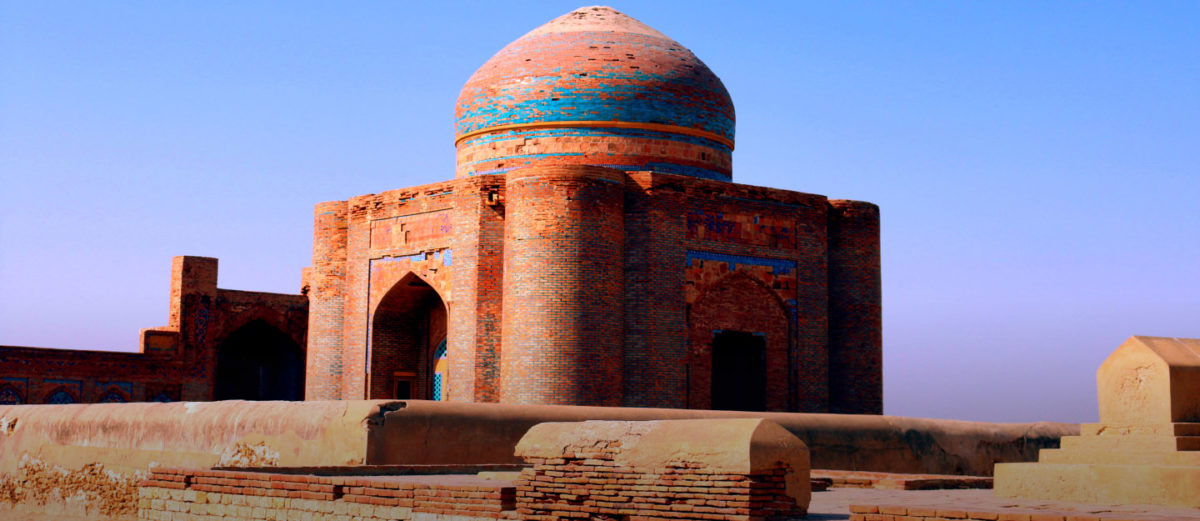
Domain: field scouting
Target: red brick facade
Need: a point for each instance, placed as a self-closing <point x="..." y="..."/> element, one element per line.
<point x="573" y="270"/>
<point x="590" y="250"/>
<point x="211" y="336"/>
<point x="592" y="286"/>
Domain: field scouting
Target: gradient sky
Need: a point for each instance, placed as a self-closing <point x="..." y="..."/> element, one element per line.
<point x="1037" y="163"/>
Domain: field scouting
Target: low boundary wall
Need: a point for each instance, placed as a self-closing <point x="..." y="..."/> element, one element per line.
<point x="423" y="432"/>
<point x="86" y="459"/>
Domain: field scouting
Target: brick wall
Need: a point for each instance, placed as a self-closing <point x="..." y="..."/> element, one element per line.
<point x="176" y="362"/>
<point x="614" y="286"/>
<point x="563" y="286"/>
<point x="184" y="495"/>
<point x="326" y="292"/>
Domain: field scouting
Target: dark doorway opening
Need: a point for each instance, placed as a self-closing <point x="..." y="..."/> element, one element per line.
<point x="739" y="371"/>
<point x="259" y="362"/>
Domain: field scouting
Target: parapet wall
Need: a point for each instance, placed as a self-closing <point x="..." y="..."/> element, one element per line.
<point x="85" y="460"/>
<point x="444" y="433"/>
<point x="102" y="449"/>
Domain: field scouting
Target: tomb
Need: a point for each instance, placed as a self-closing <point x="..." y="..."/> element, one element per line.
<point x="1146" y="448"/>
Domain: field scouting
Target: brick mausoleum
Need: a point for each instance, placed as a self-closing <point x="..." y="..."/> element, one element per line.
<point x="591" y="249"/>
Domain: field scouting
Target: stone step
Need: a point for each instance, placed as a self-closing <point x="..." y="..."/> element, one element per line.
<point x="1135" y="442"/>
<point x="1124" y="457"/>
<point x="1153" y="429"/>
<point x="1097" y="483"/>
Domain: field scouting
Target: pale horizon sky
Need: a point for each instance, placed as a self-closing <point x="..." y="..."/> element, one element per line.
<point x="1037" y="165"/>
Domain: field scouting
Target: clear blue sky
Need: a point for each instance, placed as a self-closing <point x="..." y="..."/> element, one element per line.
<point x="1037" y="163"/>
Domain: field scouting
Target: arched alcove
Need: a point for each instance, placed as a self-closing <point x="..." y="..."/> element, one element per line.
<point x="739" y="338"/>
<point x="61" y="396"/>
<point x="10" y="396"/>
<point x="259" y="362"/>
<point x="408" y="358"/>
<point x="113" y="395"/>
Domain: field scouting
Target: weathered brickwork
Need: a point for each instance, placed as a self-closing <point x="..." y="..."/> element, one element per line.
<point x="176" y="494"/>
<point x="728" y="469"/>
<point x="591" y="250"/>
<point x="206" y="336"/>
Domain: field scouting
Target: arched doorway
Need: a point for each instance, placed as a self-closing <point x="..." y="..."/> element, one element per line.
<point x="408" y="358"/>
<point x="9" y="395"/>
<point x="739" y="337"/>
<point x="739" y="371"/>
<point x="259" y="362"/>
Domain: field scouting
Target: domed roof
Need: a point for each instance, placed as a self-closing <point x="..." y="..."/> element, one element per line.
<point x="596" y="67"/>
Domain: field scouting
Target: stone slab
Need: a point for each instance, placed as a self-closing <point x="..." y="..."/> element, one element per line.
<point x="1127" y="457"/>
<point x="1133" y="442"/>
<point x="1095" y="483"/>
<point x="1151" y="429"/>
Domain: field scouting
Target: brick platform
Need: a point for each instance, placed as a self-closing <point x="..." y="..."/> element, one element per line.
<point x="175" y="494"/>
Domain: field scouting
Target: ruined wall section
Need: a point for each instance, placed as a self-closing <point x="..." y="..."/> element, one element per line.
<point x="31" y="375"/>
<point x="174" y="363"/>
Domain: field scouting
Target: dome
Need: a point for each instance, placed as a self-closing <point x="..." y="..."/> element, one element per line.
<point x="621" y="94"/>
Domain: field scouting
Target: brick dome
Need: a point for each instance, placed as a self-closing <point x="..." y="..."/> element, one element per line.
<point x="595" y="87"/>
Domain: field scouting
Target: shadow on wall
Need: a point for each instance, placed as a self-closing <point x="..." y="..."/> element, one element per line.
<point x="259" y="362"/>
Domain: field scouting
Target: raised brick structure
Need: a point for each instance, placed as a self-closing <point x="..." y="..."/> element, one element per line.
<point x="218" y="344"/>
<point x="592" y="250"/>
<point x="736" y="470"/>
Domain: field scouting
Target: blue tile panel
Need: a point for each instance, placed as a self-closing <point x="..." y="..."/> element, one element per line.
<point x="780" y="266"/>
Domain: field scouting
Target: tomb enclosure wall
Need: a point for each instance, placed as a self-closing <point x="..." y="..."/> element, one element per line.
<point x="175" y="362"/>
<point x="835" y="441"/>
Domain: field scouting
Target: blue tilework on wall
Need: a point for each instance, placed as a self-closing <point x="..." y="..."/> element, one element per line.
<point x="780" y="266"/>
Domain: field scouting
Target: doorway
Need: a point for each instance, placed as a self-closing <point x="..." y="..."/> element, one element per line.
<point x="739" y="371"/>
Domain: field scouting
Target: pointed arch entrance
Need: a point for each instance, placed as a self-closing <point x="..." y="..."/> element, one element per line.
<point x="739" y="337"/>
<point x="408" y="358"/>
<point x="259" y="362"/>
